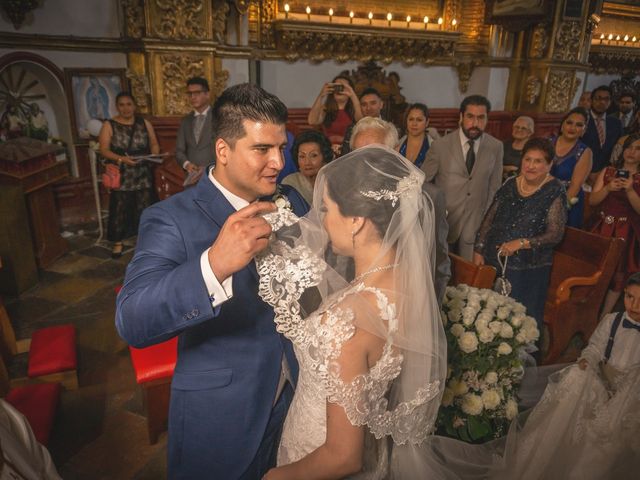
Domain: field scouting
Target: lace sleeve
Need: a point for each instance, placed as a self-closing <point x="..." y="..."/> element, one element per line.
<point x="556" y="220"/>
<point x="485" y="226"/>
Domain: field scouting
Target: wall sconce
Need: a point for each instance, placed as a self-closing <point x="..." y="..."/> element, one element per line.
<point x="308" y="10"/>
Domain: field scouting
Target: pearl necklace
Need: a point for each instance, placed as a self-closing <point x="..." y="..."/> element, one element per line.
<point x="373" y="270"/>
<point x="535" y="189"/>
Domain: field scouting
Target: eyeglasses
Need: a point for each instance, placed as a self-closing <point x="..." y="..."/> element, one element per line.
<point x="193" y="93"/>
<point x="518" y="127"/>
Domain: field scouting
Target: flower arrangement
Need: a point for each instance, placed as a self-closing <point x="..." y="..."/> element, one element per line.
<point x="485" y="332"/>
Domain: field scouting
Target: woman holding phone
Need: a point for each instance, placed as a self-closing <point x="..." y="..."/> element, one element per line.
<point x="616" y="193"/>
<point x="336" y="107"/>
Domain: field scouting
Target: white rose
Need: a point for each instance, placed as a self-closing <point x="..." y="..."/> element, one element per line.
<point x="530" y="322"/>
<point x="491" y="378"/>
<point x="454" y="315"/>
<point x="490" y="399"/>
<point x="511" y="409"/>
<point x="519" y="309"/>
<point x="468" y="342"/>
<point x="484" y="294"/>
<point x="517" y="319"/>
<point x="458" y="387"/>
<point x="468" y="315"/>
<point x="456" y="329"/>
<point x="485" y="335"/>
<point x="447" y="397"/>
<point x="503" y="313"/>
<point x="504" y="349"/>
<point x="506" y="331"/>
<point x="482" y="323"/>
<point x="472" y="404"/>
<point x="521" y="337"/>
<point x="495" y="327"/>
<point x="474" y="301"/>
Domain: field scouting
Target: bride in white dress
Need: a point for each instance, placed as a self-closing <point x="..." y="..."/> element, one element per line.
<point x="372" y="351"/>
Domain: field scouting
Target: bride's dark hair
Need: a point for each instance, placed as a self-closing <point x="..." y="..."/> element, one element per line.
<point x="346" y="189"/>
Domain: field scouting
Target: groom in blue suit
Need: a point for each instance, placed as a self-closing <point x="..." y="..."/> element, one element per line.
<point x="193" y="275"/>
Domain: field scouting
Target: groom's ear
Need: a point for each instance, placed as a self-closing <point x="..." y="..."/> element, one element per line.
<point x="222" y="150"/>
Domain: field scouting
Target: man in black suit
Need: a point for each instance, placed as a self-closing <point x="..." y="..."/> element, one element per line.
<point x="627" y="112"/>
<point x="194" y="144"/>
<point x="602" y="131"/>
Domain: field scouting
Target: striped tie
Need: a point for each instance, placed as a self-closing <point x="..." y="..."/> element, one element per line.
<point x="600" y="128"/>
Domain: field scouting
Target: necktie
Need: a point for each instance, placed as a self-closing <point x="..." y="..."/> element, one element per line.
<point x="627" y="324"/>
<point x="471" y="156"/>
<point x="197" y="127"/>
<point x="600" y="128"/>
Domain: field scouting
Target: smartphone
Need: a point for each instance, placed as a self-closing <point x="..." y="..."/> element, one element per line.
<point x="338" y="88"/>
<point x="621" y="173"/>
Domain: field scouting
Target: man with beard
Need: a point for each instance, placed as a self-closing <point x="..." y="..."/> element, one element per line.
<point x="602" y="131"/>
<point x="467" y="166"/>
<point x="627" y="107"/>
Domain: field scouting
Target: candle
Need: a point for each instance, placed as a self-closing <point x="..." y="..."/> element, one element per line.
<point x="440" y="22"/>
<point x="330" y="15"/>
<point x="408" y="21"/>
<point x="426" y="22"/>
<point x="286" y="10"/>
<point x="454" y="22"/>
<point x="389" y="17"/>
<point x="370" y="17"/>
<point x="626" y="38"/>
<point x="351" y="15"/>
<point x="308" y="10"/>
<point x="610" y="37"/>
<point x="633" y="39"/>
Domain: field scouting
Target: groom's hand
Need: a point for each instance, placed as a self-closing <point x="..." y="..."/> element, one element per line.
<point x="243" y="235"/>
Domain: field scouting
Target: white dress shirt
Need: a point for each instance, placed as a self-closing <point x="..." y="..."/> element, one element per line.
<point x="464" y="143"/>
<point x="626" y="344"/>
<point x="595" y="117"/>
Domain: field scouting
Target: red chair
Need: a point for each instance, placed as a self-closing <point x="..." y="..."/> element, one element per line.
<point x="38" y="403"/>
<point x="52" y="356"/>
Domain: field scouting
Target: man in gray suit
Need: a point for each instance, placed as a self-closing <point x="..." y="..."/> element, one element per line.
<point x="467" y="166"/>
<point x="375" y="130"/>
<point x="194" y="147"/>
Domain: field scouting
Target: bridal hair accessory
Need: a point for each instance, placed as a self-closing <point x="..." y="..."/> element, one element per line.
<point x="406" y="186"/>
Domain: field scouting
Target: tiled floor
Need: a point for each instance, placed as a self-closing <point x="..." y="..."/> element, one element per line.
<point x="99" y="432"/>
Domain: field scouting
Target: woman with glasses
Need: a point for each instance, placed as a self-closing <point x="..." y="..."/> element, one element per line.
<point x="521" y="132"/>
<point x="572" y="162"/>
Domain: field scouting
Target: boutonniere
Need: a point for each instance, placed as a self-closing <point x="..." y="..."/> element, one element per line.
<point x="281" y="200"/>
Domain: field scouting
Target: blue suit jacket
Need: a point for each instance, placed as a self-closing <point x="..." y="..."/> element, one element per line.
<point x="229" y="358"/>
<point x="602" y="154"/>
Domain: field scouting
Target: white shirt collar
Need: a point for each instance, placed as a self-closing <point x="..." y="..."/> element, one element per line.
<point x="235" y="201"/>
<point x="204" y="112"/>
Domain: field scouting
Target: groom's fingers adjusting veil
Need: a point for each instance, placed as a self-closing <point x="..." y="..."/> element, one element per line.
<point x="243" y="235"/>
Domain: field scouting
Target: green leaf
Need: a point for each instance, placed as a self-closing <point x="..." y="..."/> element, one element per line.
<point x="478" y="427"/>
<point x="462" y="433"/>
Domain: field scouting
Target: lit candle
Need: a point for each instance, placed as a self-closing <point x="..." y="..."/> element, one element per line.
<point x="286" y="10"/>
<point x="633" y="39"/>
<point x="351" y="15"/>
<point x="454" y="22"/>
<point x="440" y="22"/>
<point x="426" y="22"/>
<point x="626" y="38"/>
<point x="610" y="37"/>
<point x="330" y="15"/>
<point x="618" y="38"/>
<point x="408" y="21"/>
<point x="389" y="17"/>
<point x="308" y="10"/>
<point x="370" y="17"/>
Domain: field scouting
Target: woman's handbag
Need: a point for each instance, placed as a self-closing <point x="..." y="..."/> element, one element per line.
<point x="502" y="285"/>
<point x="111" y="176"/>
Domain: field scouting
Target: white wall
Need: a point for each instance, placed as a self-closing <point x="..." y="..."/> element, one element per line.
<point x="594" y="80"/>
<point x="83" y="18"/>
<point x="298" y="84"/>
<point x="238" y="70"/>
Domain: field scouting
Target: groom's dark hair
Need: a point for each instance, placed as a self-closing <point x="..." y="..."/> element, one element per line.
<point x="244" y="102"/>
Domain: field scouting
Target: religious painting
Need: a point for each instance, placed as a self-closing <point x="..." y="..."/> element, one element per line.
<point x="92" y="95"/>
<point x="23" y="102"/>
<point x="517" y="13"/>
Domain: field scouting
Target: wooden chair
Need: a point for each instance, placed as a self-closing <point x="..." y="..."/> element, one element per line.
<point x="583" y="265"/>
<point x="468" y="273"/>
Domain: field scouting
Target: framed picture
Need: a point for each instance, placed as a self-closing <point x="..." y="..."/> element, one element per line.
<point x="517" y="14"/>
<point x="91" y="94"/>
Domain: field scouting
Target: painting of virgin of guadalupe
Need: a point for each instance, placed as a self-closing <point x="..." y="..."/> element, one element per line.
<point x="92" y="93"/>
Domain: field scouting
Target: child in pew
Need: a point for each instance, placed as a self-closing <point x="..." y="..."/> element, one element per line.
<point x="587" y="422"/>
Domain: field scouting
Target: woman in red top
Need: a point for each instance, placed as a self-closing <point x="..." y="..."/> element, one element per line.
<point x="336" y="107"/>
<point x="617" y="194"/>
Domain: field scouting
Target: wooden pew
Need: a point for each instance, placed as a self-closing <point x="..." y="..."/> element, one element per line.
<point x="583" y="265"/>
<point x="468" y="273"/>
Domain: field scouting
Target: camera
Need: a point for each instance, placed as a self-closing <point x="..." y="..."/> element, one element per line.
<point x="621" y="173"/>
<point x="338" y="87"/>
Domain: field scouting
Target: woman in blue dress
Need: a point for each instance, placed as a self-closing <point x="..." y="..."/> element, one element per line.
<point x="415" y="144"/>
<point x="572" y="162"/>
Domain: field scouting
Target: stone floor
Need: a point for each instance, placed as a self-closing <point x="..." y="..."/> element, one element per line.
<point x="100" y="431"/>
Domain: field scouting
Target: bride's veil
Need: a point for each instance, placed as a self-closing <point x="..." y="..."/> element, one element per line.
<point x="380" y="185"/>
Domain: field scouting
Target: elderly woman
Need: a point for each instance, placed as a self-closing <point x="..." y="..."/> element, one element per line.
<point x="125" y="136"/>
<point x="572" y="162"/>
<point x="521" y="132"/>
<point x="335" y="109"/>
<point x="616" y="194"/>
<point x="523" y="224"/>
<point x="311" y="151"/>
